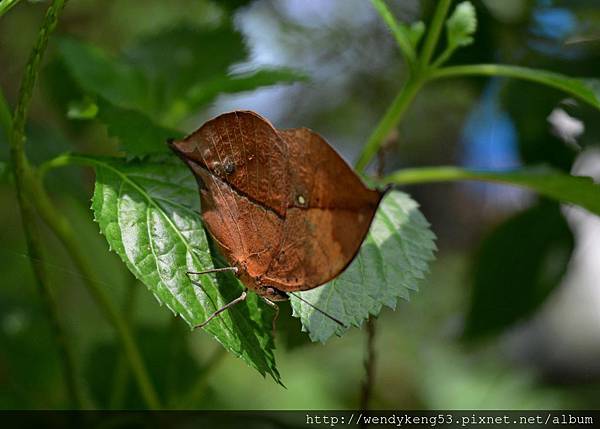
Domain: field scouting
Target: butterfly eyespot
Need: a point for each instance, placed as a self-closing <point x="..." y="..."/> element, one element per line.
<point x="301" y="200"/>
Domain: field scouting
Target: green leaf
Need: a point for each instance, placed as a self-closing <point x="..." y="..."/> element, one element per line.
<point x="137" y="134"/>
<point x="164" y="78"/>
<point x="416" y="32"/>
<point x="206" y="91"/>
<point x="461" y="25"/>
<point x="84" y="109"/>
<point x="178" y="58"/>
<point x="546" y="181"/>
<point x="393" y="258"/>
<point x="148" y="213"/>
<point x="99" y="74"/>
<point x="517" y="267"/>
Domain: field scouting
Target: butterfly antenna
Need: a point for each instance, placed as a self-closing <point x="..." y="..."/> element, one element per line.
<point x="212" y="270"/>
<point x="342" y="324"/>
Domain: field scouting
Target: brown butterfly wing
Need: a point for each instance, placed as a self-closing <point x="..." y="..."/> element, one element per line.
<point x="328" y="216"/>
<point x="240" y="163"/>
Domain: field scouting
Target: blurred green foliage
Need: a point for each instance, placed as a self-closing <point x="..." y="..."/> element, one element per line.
<point x="114" y="68"/>
<point x="536" y="244"/>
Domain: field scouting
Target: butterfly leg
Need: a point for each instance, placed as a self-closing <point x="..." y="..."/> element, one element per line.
<point x="240" y="298"/>
<point x="276" y="307"/>
<point x="213" y="270"/>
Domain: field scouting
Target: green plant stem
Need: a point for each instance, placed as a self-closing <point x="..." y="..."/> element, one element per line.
<point x="532" y="178"/>
<point x="6" y="5"/>
<point x="21" y="169"/>
<point x="368" y="383"/>
<point x="388" y="122"/>
<point x="409" y="176"/>
<point x="399" y="33"/>
<point x="408" y="92"/>
<point x="569" y="85"/>
<point x="434" y="32"/>
<point x="444" y="56"/>
<point x="61" y="227"/>
<point x="486" y="70"/>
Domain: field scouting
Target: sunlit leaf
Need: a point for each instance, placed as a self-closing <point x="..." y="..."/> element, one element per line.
<point x="148" y="213"/>
<point x="461" y="25"/>
<point x="392" y="260"/>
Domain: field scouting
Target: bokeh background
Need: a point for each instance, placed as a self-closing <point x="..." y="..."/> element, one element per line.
<point x="509" y="316"/>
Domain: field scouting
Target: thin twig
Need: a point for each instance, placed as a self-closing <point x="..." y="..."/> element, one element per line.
<point x="398" y="31"/>
<point x="369" y="363"/>
<point x="434" y="32"/>
<point x="370" y="353"/>
<point x="21" y="170"/>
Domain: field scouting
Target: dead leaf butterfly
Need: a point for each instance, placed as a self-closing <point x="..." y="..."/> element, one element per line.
<point x="283" y="207"/>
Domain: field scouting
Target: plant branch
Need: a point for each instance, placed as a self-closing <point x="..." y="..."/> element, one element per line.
<point x="388" y="122"/>
<point x="434" y="32"/>
<point x="21" y="169"/>
<point x="60" y="225"/>
<point x="369" y="363"/>
<point x="397" y="30"/>
<point x="444" y="56"/>
<point x="575" y="87"/>
<point x="545" y="181"/>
